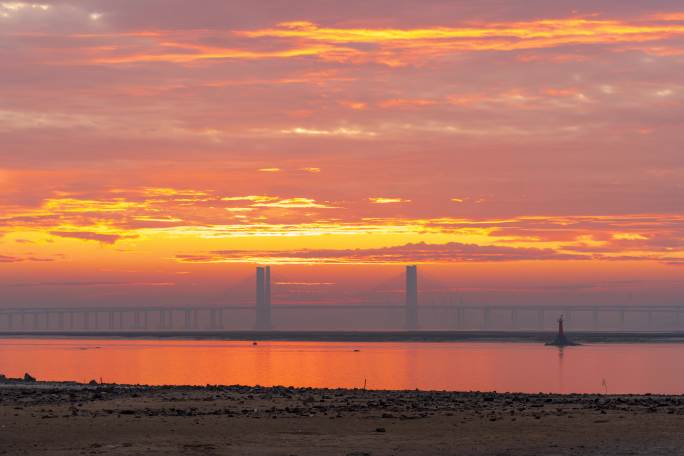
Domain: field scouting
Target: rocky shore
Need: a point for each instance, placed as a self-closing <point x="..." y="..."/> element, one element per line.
<point x="69" y="418"/>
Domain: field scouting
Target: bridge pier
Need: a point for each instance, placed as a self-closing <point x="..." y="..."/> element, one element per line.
<point x="188" y="317"/>
<point x="212" y="319"/>
<point x="263" y="298"/>
<point x="540" y="320"/>
<point x="195" y="321"/>
<point x="411" y="298"/>
<point x="514" y="318"/>
<point x="487" y="317"/>
<point x="168" y="319"/>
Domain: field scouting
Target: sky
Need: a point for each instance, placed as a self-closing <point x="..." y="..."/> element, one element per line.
<point x="517" y="151"/>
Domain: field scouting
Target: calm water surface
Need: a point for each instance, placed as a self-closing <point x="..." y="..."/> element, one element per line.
<point x="519" y="367"/>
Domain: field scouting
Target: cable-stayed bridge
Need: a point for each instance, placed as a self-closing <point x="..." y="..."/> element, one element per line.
<point x="405" y="308"/>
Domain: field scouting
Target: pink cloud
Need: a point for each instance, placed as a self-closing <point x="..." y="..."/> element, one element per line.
<point x="90" y="236"/>
<point x="452" y="252"/>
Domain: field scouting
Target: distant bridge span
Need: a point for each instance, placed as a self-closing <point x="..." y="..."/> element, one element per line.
<point x="449" y="316"/>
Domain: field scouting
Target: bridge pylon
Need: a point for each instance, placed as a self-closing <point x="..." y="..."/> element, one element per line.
<point x="263" y="298"/>
<point x="411" y="298"/>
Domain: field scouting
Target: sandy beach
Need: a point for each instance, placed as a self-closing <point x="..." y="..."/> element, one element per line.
<point x="66" y="418"/>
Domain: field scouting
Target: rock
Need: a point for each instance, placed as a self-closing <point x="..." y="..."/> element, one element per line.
<point x="380" y="429"/>
<point x="29" y="378"/>
<point x="92" y="382"/>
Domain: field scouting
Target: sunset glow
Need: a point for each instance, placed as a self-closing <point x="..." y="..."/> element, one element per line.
<point x="173" y="153"/>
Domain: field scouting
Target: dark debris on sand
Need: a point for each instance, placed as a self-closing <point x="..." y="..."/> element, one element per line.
<point x="168" y="420"/>
<point x="279" y="401"/>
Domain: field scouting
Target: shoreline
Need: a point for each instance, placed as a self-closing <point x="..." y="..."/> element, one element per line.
<point x="582" y="337"/>
<point x="7" y="383"/>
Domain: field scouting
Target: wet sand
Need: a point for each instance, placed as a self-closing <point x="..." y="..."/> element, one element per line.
<point x="67" y="419"/>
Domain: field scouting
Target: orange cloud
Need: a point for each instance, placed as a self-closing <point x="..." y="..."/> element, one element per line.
<point x="405" y="102"/>
<point x="90" y="236"/>
<point x="175" y="219"/>
<point x="674" y="16"/>
<point x="198" y="53"/>
<point x="355" y="105"/>
<point x="391" y="46"/>
<point x="452" y="252"/>
<point x="546" y="31"/>
<point x="398" y="46"/>
<point x="291" y="203"/>
<point x="567" y="92"/>
<point x="341" y="131"/>
<point x="255" y="198"/>
<point x="19" y="259"/>
<point x="382" y="200"/>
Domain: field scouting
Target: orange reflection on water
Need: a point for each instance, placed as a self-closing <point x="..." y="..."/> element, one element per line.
<point x="626" y="368"/>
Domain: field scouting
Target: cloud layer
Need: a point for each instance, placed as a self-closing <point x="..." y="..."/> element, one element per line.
<point x="438" y="132"/>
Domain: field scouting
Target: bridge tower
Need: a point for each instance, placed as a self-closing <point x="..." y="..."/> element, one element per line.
<point x="263" y="298"/>
<point x="411" y="298"/>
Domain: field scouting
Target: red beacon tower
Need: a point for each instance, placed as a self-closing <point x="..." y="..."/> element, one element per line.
<point x="561" y="340"/>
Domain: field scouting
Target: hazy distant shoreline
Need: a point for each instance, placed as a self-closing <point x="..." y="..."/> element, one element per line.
<point x="363" y="336"/>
